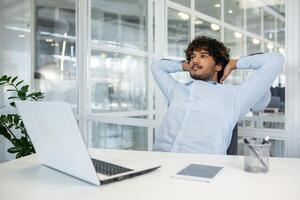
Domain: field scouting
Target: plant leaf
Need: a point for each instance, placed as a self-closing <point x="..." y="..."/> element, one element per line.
<point x="13" y="150"/>
<point x="15" y="142"/>
<point x="11" y="90"/>
<point x="10" y="126"/>
<point x="19" y="155"/>
<point x="22" y="95"/>
<point x="9" y="118"/>
<point x="4" y="132"/>
<point x="16" y="119"/>
<point x="12" y="97"/>
<point x="24" y="141"/>
<point x="13" y="80"/>
<point x="25" y="88"/>
<point x="19" y="83"/>
<point x="2" y="119"/>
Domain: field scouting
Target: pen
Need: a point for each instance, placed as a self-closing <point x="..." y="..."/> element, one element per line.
<point x="266" y="140"/>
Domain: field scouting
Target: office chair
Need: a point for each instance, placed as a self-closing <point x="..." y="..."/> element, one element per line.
<point x="232" y="149"/>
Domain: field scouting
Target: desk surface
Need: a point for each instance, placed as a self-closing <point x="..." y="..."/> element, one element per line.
<point x="26" y="178"/>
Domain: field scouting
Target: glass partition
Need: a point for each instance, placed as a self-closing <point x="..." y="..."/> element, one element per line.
<point x="178" y="32"/>
<point x="115" y="85"/>
<point x="55" y="70"/>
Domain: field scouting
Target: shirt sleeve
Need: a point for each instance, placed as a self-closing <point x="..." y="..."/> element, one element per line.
<point x="267" y="67"/>
<point x="161" y="71"/>
<point x="263" y="102"/>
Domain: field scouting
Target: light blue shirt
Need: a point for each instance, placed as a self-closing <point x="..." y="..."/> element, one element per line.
<point x="201" y="115"/>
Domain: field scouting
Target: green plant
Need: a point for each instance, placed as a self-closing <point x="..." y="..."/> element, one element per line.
<point x="11" y="125"/>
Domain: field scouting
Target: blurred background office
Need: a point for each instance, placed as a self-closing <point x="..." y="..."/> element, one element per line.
<point x="96" y="55"/>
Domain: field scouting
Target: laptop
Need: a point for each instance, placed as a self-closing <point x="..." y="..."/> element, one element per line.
<point x="59" y="144"/>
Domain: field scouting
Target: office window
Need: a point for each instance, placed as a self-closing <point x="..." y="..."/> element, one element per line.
<point x="15" y="45"/>
<point x="115" y="136"/>
<point x="55" y="70"/>
<point x="118" y="72"/>
<point x="269" y="47"/>
<point x="186" y="3"/>
<point x="234" y="41"/>
<point x="280" y="32"/>
<point x="211" y="8"/>
<point x="178" y="32"/>
<point x="253" y="45"/>
<point x="203" y="27"/>
<point x="269" y="26"/>
<point x="118" y="82"/>
<point x="234" y="12"/>
<point x="119" y="23"/>
<point x="254" y="13"/>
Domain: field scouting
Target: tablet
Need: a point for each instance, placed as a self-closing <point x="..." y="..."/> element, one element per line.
<point x="199" y="172"/>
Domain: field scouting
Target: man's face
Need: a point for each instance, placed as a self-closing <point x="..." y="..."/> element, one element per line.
<point x="203" y="66"/>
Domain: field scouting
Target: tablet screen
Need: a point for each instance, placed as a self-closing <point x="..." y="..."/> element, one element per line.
<point x="201" y="171"/>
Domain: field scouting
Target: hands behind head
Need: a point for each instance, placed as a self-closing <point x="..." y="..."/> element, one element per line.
<point x="185" y="66"/>
<point x="228" y="69"/>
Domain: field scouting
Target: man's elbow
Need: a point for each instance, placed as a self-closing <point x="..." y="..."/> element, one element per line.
<point x="155" y="65"/>
<point x="278" y="60"/>
<point x="263" y="102"/>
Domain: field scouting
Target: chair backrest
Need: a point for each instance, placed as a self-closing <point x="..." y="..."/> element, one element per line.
<point x="232" y="149"/>
<point x="274" y="102"/>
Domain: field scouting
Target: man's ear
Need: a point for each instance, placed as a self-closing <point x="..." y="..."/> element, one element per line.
<point x="218" y="67"/>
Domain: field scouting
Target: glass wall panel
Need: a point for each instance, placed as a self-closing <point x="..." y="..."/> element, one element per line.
<point x="234" y="41"/>
<point x="118" y="82"/>
<point x="186" y="3"/>
<point x="55" y="70"/>
<point x="269" y="26"/>
<point x="178" y="32"/>
<point x="234" y="12"/>
<point x="211" y="8"/>
<point x="254" y="13"/>
<point x="253" y="45"/>
<point x="269" y="47"/>
<point x="115" y="136"/>
<point x="281" y="50"/>
<point x="272" y="117"/>
<point x="281" y="32"/>
<point x="203" y="27"/>
<point x="15" y="53"/>
<point x="15" y="34"/>
<point x="119" y="23"/>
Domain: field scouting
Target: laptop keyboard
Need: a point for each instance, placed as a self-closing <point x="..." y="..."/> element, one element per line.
<point x="108" y="169"/>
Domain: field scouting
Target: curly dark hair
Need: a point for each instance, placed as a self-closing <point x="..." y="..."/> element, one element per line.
<point x="216" y="49"/>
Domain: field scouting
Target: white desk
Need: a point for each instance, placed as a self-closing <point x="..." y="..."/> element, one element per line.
<point x="26" y="179"/>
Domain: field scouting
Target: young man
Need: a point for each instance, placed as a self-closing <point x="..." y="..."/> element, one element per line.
<point x="202" y="113"/>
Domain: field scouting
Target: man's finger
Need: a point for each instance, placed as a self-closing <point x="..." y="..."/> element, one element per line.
<point x="222" y="80"/>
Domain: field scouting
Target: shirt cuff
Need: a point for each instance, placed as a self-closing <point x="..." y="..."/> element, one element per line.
<point x="243" y="61"/>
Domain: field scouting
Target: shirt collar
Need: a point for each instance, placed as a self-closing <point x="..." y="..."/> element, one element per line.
<point x="205" y="82"/>
<point x="212" y="82"/>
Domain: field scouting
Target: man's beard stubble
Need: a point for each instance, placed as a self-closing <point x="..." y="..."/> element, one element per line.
<point x="203" y="77"/>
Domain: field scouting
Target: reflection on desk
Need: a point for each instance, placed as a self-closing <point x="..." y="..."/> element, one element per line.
<point x="25" y="178"/>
